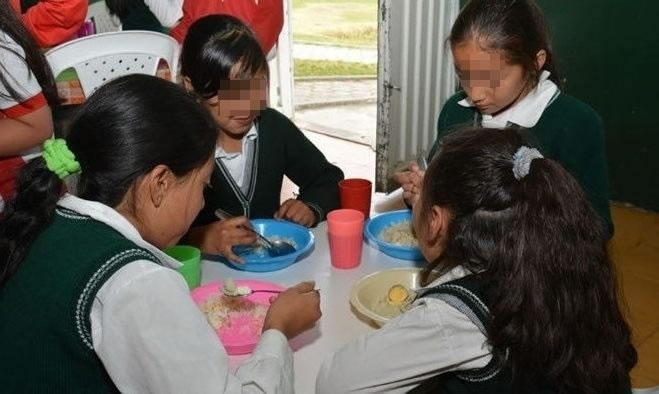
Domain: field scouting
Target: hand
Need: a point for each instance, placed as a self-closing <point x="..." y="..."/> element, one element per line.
<point x="296" y="211"/>
<point x="219" y="237"/>
<point x="411" y="181"/>
<point x="294" y="311"/>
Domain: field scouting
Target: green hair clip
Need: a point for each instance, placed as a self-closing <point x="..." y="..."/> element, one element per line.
<point x="59" y="159"/>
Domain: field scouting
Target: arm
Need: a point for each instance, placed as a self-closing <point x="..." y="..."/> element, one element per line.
<point x="151" y="337"/>
<point x="268" y="22"/>
<point x="308" y="168"/>
<point x="429" y="339"/>
<point x="52" y="21"/>
<point x="18" y="135"/>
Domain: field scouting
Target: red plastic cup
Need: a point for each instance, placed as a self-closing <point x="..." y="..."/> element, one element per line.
<point x="345" y="228"/>
<point x="355" y="193"/>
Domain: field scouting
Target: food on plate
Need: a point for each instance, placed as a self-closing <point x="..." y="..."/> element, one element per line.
<point x="399" y="233"/>
<point x="225" y="312"/>
<point x="394" y="302"/>
<point x="397" y="295"/>
<point x="259" y="248"/>
<point x="230" y="289"/>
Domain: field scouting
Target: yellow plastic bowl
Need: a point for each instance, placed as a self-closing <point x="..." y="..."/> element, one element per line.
<point x="370" y="293"/>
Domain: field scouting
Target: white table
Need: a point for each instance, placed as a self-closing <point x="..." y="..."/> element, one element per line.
<point x="338" y="324"/>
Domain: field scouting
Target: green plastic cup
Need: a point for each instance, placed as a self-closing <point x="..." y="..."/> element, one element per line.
<point x="190" y="257"/>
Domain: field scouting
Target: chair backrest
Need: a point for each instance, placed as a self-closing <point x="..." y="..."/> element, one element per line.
<point x="104" y="22"/>
<point x="99" y="58"/>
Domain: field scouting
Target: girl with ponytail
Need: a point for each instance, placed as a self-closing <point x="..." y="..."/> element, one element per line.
<point x="520" y="295"/>
<point x="88" y="301"/>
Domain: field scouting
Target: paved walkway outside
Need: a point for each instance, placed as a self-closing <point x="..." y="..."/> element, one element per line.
<point x="328" y="52"/>
<point x="327" y="92"/>
<point x="344" y="109"/>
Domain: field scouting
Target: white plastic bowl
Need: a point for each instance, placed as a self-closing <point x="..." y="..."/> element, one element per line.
<point x="372" y="289"/>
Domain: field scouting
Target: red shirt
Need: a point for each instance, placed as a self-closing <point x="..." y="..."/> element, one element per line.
<point x="264" y="17"/>
<point x="52" y="22"/>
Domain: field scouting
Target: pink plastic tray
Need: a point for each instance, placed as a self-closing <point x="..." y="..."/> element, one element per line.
<point x="237" y="339"/>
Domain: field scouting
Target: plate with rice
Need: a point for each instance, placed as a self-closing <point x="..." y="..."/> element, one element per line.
<point x="393" y="234"/>
<point x="238" y="321"/>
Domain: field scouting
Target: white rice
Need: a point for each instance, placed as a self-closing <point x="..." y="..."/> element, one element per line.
<point x="221" y="310"/>
<point x="400" y="234"/>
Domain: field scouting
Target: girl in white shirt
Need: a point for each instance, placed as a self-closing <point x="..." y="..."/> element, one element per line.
<point x="525" y="299"/>
<point x="88" y="302"/>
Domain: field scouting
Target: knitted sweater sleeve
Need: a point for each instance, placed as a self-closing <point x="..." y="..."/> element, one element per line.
<point x="308" y="168"/>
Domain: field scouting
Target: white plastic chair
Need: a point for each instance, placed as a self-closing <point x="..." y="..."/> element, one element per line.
<point x="99" y="58"/>
<point x="104" y="22"/>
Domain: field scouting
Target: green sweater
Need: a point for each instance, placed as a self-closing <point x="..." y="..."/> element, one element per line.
<point x="569" y="131"/>
<point x="45" y="329"/>
<point x="280" y="149"/>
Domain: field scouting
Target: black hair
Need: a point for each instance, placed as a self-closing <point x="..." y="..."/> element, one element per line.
<point x="540" y="250"/>
<point x="125" y="129"/>
<point x="34" y="59"/>
<point x="213" y="45"/>
<point x="517" y="28"/>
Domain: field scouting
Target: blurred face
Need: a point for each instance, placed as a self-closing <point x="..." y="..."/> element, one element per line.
<point x="238" y="103"/>
<point x="490" y="82"/>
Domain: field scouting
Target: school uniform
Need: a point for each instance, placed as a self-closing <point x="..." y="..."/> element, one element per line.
<point x="566" y="130"/>
<point x="24" y="82"/>
<point x="438" y="346"/>
<point x="95" y="308"/>
<point x="264" y="17"/>
<point x="51" y="22"/>
<point x="249" y="182"/>
<point x="431" y="338"/>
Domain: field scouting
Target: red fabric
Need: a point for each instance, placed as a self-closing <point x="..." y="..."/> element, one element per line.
<point x="9" y="169"/>
<point x="24" y="108"/>
<point x="52" y="22"/>
<point x="266" y="18"/>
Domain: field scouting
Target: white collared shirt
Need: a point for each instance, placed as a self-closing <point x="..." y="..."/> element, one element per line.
<point x="235" y="161"/>
<point x="168" y="12"/>
<point x="431" y="338"/>
<point x="151" y="337"/>
<point x="527" y="111"/>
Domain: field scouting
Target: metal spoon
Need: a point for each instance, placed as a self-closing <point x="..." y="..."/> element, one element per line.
<point x="275" y="248"/>
<point x="230" y="289"/>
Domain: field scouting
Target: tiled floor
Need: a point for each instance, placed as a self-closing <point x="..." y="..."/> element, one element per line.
<point x="635" y="250"/>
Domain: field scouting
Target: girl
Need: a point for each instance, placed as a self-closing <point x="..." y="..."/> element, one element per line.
<point x="27" y="92"/>
<point x="526" y="298"/>
<point x="224" y="65"/>
<point x="88" y="302"/>
<point x="503" y="57"/>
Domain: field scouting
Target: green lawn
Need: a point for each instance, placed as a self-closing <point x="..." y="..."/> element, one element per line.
<point x="342" y="22"/>
<point x="328" y="68"/>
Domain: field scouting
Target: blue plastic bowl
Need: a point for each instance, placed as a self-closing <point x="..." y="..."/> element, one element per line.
<point x="302" y="239"/>
<point x="376" y="224"/>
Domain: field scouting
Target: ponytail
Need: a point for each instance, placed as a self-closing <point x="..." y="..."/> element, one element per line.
<point x="27" y="215"/>
<point x="524" y="224"/>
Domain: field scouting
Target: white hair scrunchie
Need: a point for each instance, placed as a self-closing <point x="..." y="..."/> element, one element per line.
<point x="522" y="161"/>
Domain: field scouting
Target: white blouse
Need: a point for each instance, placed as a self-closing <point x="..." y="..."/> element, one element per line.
<point x="168" y="12"/>
<point x="151" y="337"/>
<point x="429" y="339"/>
